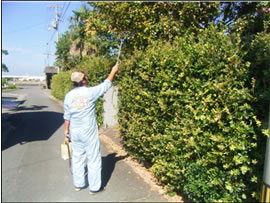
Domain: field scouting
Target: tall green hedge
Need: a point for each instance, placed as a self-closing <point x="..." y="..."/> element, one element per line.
<point x="98" y="69"/>
<point x="184" y="107"/>
<point x="61" y="84"/>
<point x="259" y="55"/>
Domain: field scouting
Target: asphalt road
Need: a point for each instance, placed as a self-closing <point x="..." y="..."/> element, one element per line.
<point x="32" y="168"/>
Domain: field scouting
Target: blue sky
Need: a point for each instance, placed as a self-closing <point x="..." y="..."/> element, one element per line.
<point x="26" y="37"/>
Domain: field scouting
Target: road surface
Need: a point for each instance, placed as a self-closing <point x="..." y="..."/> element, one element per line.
<point x="32" y="168"/>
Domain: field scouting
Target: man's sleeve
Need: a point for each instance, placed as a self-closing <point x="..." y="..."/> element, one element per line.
<point x="66" y="110"/>
<point x="99" y="90"/>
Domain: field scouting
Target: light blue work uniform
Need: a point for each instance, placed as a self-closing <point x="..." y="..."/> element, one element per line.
<point x="79" y="109"/>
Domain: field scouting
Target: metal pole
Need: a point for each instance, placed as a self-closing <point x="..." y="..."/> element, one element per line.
<point x="119" y="52"/>
<point x="266" y="174"/>
<point x="56" y="19"/>
<point x="56" y="11"/>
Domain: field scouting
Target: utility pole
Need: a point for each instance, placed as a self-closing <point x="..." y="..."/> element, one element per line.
<point x="48" y="56"/>
<point x="56" y="21"/>
<point x="55" y="25"/>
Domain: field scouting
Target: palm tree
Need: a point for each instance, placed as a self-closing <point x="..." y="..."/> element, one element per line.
<point x="78" y="33"/>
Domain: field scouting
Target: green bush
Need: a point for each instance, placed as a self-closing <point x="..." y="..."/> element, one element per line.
<point x="98" y="69"/>
<point x="259" y="56"/>
<point x="3" y="81"/>
<point x="12" y="87"/>
<point x="61" y="84"/>
<point x="184" y="107"/>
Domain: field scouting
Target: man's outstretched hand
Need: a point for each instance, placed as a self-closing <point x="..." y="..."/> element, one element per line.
<point x="113" y="72"/>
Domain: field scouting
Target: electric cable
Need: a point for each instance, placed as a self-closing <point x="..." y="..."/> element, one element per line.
<point x="49" y="47"/>
<point x="65" y="10"/>
<point x="52" y="36"/>
<point x="51" y="40"/>
<point x="25" y="28"/>
<point x="61" y="14"/>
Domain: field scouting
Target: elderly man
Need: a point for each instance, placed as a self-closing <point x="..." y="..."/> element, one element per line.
<point x="80" y="123"/>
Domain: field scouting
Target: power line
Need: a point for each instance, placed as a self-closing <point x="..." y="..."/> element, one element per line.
<point x="49" y="42"/>
<point x="65" y="10"/>
<point x="55" y="26"/>
<point x="60" y="15"/>
<point x="52" y="36"/>
<point x="36" y="45"/>
<point x="25" y="28"/>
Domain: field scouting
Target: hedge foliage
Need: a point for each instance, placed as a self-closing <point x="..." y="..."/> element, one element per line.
<point x="61" y="84"/>
<point x="259" y="55"/>
<point x="98" y="69"/>
<point x="185" y="108"/>
<point x="4" y="81"/>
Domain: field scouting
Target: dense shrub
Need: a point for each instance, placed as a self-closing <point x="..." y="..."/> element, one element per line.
<point x="98" y="69"/>
<point x="61" y="84"/>
<point x="259" y="56"/>
<point x="12" y="87"/>
<point x="4" y="81"/>
<point x="184" y="107"/>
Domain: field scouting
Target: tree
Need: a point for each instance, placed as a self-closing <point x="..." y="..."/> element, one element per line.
<point x="64" y="60"/>
<point x="141" y="23"/>
<point x="247" y="18"/>
<point x="257" y="45"/>
<point x="4" y="67"/>
<point x="77" y="27"/>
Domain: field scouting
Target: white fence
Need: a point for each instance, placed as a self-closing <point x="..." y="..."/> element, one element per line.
<point x="110" y="105"/>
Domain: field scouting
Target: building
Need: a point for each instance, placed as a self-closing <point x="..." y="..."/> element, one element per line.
<point x="50" y="71"/>
<point x="15" y="78"/>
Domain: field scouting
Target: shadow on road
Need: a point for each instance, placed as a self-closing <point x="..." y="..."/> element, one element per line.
<point x="31" y="108"/>
<point x="108" y="165"/>
<point x="30" y="126"/>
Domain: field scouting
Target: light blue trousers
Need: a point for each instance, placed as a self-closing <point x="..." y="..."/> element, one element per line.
<point x="86" y="150"/>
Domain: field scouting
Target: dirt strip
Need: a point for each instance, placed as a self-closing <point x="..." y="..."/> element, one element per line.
<point x="146" y="175"/>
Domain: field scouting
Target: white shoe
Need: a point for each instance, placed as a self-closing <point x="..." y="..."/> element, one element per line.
<point x="95" y="192"/>
<point x="77" y="189"/>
